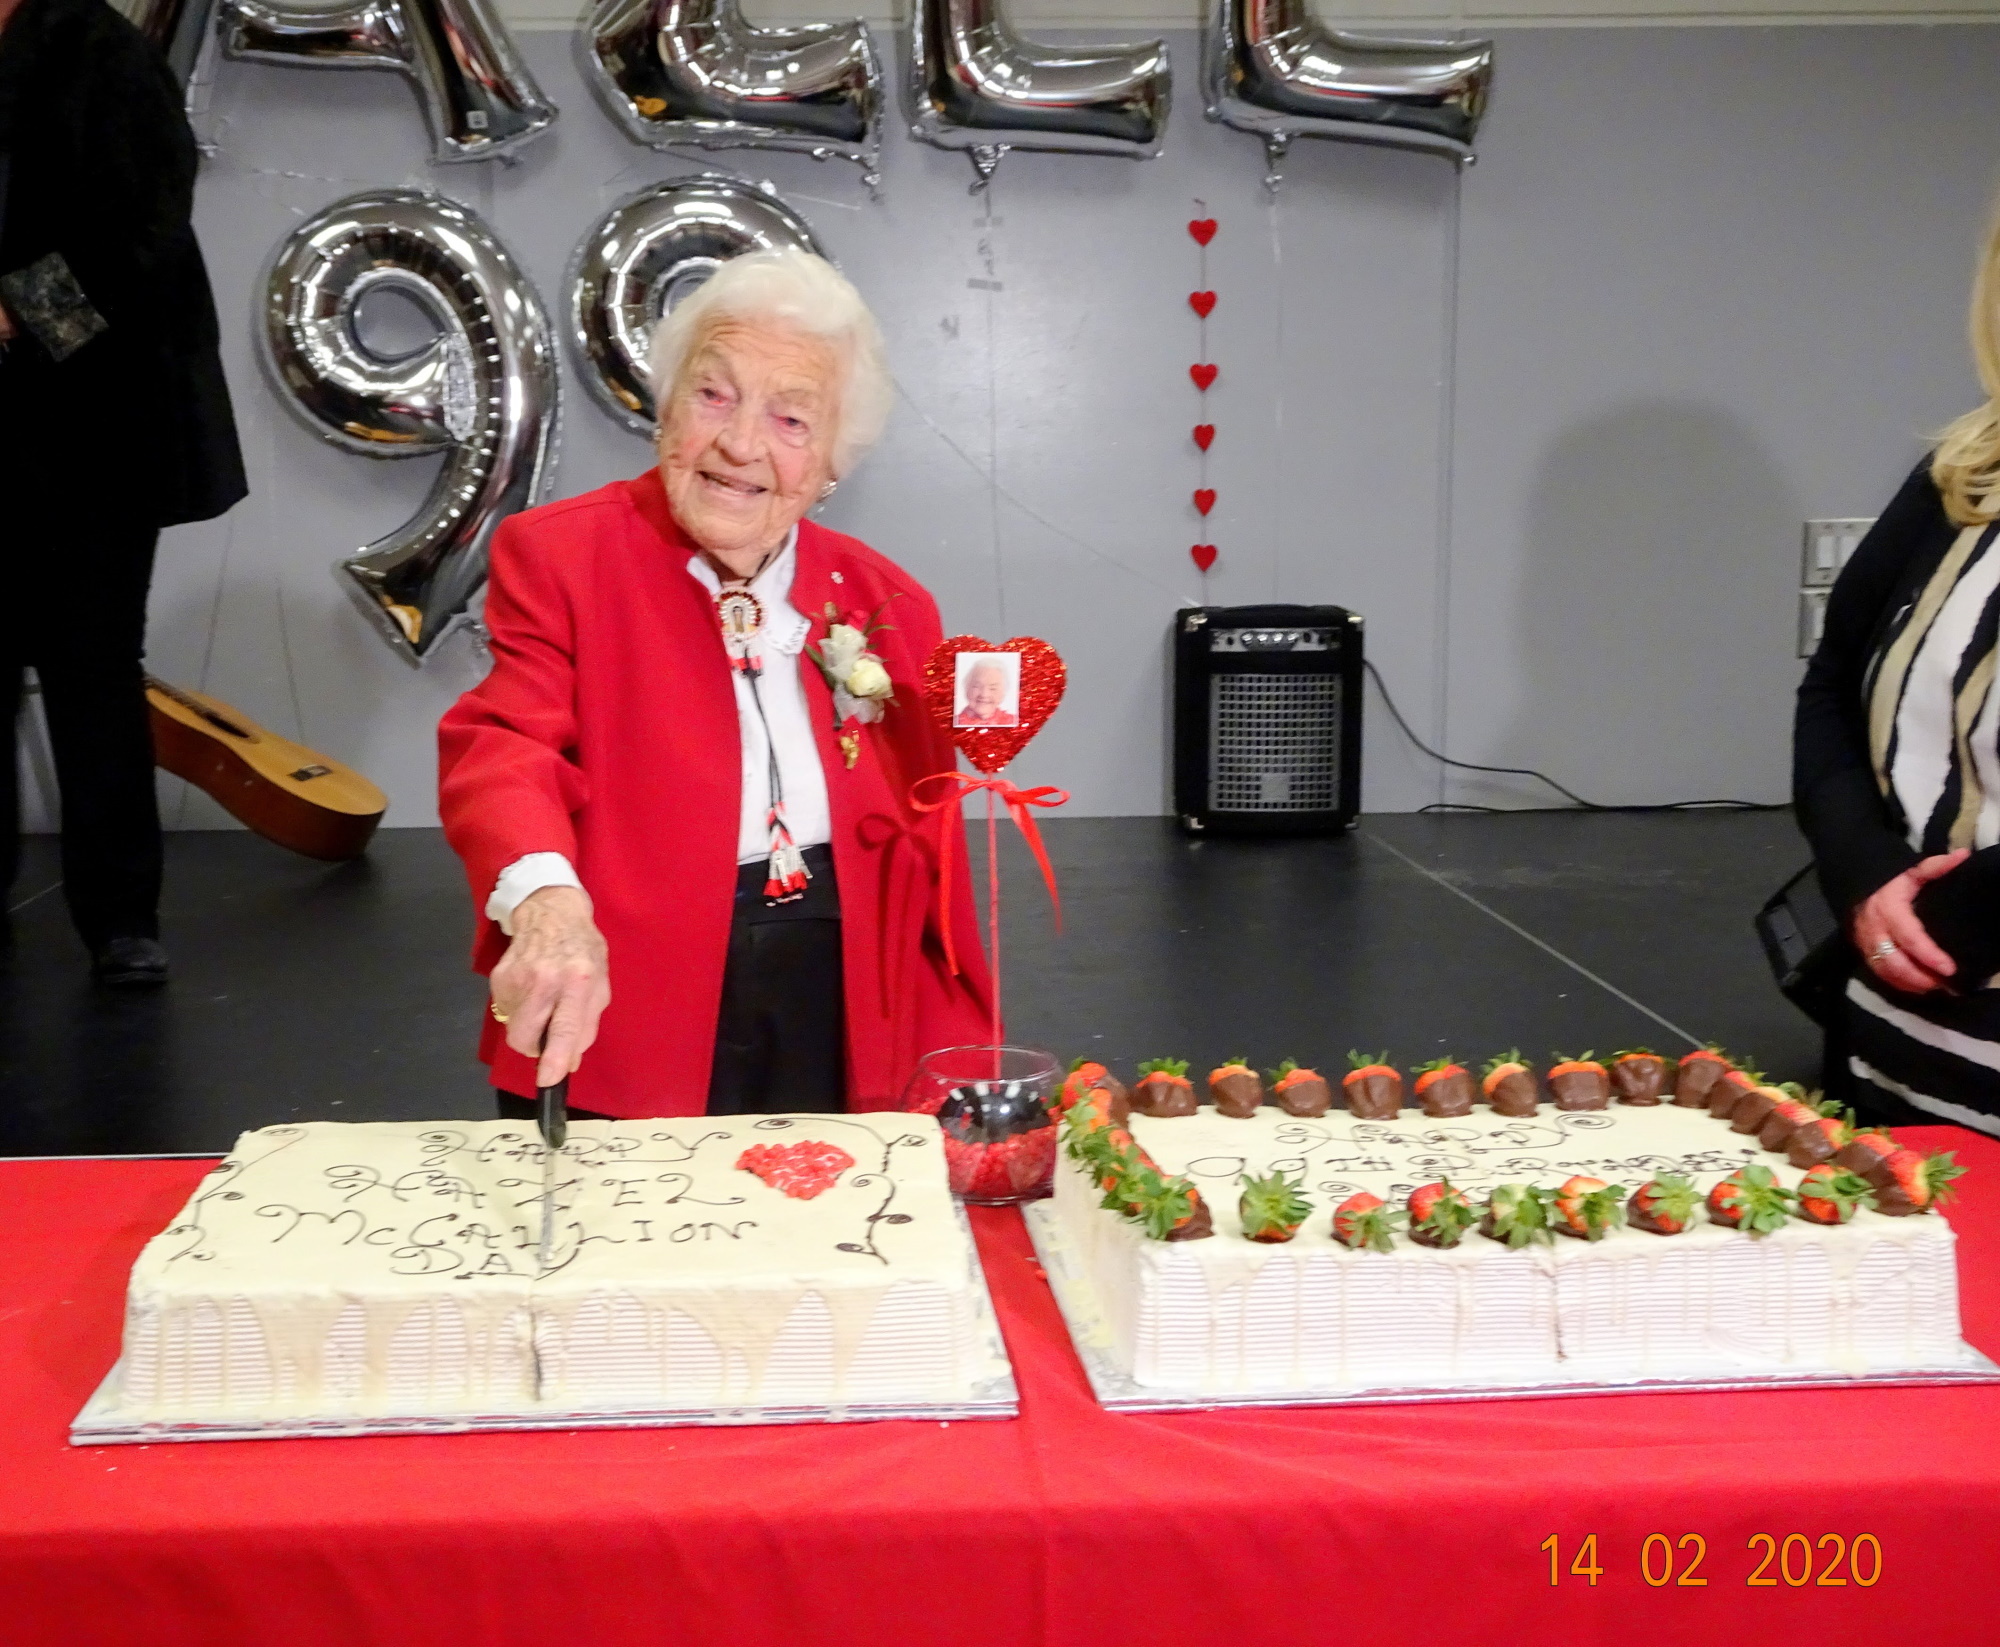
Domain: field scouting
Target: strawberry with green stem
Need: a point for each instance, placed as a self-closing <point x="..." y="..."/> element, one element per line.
<point x="1586" y="1208"/>
<point x="1664" y="1205"/>
<point x="1372" y="1088"/>
<point x="1163" y="1088"/>
<point x="1579" y="1083"/>
<point x="1508" y="1085"/>
<point x="1271" y="1207"/>
<point x="1439" y="1214"/>
<point x="1915" y="1183"/>
<point x="1696" y="1073"/>
<point x="1866" y="1151"/>
<point x="1730" y="1088"/>
<point x="1787" y="1116"/>
<point x="1752" y="1200"/>
<point x="1754" y="1108"/>
<point x="1829" y="1194"/>
<point x="1300" y="1091"/>
<point x="1518" y="1214"/>
<point x="1821" y="1139"/>
<point x="1639" y="1076"/>
<point x="1363" y="1223"/>
<point x="1235" y="1090"/>
<point x="1445" y="1089"/>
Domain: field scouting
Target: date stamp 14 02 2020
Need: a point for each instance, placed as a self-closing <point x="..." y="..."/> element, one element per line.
<point x="1800" y="1560"/>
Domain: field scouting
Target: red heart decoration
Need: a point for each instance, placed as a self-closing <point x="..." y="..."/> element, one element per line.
<point x="1203" y="229"/>
<point x="1204" y="435"/>
<point x="1204" y="555"/>
<point x="1203" y="376"/>
<point x="1203" y="303"/>
<point x="1042" y="680"/>
<point x="1204" y="500"/>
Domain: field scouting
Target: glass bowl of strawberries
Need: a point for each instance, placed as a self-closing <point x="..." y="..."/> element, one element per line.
<point x="992" y="1104"/>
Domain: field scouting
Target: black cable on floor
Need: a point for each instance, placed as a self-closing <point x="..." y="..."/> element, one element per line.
<point x="1578" y="803"/>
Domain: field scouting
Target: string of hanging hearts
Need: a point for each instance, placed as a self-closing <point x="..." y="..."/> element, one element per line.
<point x="1203" y="375"/>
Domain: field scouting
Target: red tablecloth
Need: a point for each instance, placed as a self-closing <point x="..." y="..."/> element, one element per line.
<point x="1070" y="1525"/>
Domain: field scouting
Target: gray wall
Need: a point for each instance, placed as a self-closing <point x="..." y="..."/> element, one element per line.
<point x="1703" y="283"/>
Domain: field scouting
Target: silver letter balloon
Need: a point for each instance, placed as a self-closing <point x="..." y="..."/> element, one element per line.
<point x="694" y="71"/>
<point x="976" y="85"/>
<point x="479" y="99"/>
<point x="482" y="391"/>
<point x="1272" y="69"/>
<point x="646" y="254"/>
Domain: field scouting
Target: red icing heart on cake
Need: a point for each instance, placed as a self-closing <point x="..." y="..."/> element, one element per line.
<point x="1203" y="376"/>
<point x="1203" y="303"/>
<point x="1204" y="500"/>
<point x="1204" y="555"/>
<point x="1043" y="677"/>
<point x="1203" y="229"/>
<point x="800" y="1170"/>
<point x="1204" y="435"/>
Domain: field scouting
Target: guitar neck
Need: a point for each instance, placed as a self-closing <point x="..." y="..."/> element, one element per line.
<point x="195" y="706"/>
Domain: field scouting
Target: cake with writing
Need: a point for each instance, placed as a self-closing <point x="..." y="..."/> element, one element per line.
<point x="328" y="1272"/>
<point x="1494" y="1237"/>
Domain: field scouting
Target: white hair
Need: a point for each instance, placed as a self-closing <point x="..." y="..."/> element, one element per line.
<point x="794" y="288"/>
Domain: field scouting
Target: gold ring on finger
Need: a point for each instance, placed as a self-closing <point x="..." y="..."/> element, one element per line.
<point x="499" y="1017"/>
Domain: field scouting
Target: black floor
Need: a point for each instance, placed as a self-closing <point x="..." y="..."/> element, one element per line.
<point x="307" y="992"/>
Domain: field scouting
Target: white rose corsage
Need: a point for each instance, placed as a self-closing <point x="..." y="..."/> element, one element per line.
<point x="857" y="677"/>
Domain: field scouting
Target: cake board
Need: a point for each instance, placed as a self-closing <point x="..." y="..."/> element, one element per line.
<point x="1118" y="1391"/>
<point x="101" y="1423"/>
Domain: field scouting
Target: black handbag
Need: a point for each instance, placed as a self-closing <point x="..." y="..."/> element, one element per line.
<point x="1810" y="955"/>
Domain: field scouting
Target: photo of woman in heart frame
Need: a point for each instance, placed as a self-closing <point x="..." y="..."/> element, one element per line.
<point x="987" y="689"/>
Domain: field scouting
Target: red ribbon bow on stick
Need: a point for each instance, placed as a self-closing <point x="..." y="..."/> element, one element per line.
<point x="1017" y="801"/>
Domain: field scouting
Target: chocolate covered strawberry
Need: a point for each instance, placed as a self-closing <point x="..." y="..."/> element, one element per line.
<point x="1445" y="1089"/>
<point x="1829" y="1194"/>
<point x="1639" y="1076"/>
<point x="1915" y="1183"/>
<point x="1300" y="1091"/>
<point x="1163" y="1089"/>
<point x="1754" y="1108"/>
<point x="1586" y="1208"/>
<point x="1362" y="1221"/>
<point x="1372" y="1088"/>
<point x="1866" y="1151"/>
<point x="1696" y="1073"/>
<point x="1235" y="1090"/>
<point x="1439" y="1214"/>
<point x="1730" y="1088"/>
<point x="1508" y="1085"/>
<point x="1821" y="1138"/>
<point x="1579" y="1083"/>
<point x="1517" y="1214"/>
<point x="1751" y="1200"/>
<point x="1787" y="1116"/>
<point x="1663" y="1205"/>
<point x="1271" y="1207"/>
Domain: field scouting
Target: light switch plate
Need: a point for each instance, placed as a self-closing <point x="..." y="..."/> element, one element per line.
<point x="1812" y="620"/>
<point x="1828" y="544"/>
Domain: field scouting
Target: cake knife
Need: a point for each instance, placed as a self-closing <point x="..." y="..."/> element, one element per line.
<point x="552" y="1120"/>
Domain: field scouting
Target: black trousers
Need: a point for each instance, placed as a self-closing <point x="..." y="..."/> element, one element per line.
<point x="76" y="614"/>
<point x="781" y="1036"/>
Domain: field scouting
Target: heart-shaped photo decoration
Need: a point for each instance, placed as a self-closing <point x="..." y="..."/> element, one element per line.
<point x="989" y="736"/>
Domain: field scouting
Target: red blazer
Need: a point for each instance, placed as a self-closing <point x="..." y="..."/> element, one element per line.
<point x="607" y="732"/>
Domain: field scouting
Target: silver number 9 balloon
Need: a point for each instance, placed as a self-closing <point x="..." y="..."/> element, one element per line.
<point x="646" y="254"/>
<point x="478" y="96"/>
<point x="976" y="85"/>
<point x="1274" y="70"/>
<point x="694" y="71"/>
<point x="482" y="392"/>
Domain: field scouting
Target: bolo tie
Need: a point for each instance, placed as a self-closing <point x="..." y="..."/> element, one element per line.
<point x="741" y="615"/>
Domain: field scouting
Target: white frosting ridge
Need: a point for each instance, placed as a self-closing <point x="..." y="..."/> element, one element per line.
<point x="329" y="1270"/>
<point x="1228" y="1314"/>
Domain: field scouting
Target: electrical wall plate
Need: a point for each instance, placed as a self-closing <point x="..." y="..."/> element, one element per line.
<point x="1812" y="620"/>
<point x="1828" y="544"/>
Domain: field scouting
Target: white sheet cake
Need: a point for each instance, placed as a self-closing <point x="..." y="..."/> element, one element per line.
<point x="1227" y="1314"/>
<point x="329" y="1271"/>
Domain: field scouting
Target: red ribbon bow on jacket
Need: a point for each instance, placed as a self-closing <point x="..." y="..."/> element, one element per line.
<point x="1017" y="801"/>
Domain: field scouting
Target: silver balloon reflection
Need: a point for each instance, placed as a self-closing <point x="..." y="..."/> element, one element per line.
<point x="481" y="391"/>
<point x="1271" y="68"/>
<point x="646" y="254"/>
<point x="694" y="71"/>
<point x="479" y="98"/>
<point x="976" y="85"/>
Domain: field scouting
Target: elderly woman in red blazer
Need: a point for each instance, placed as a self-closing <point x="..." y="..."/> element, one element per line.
<point x="689" y="769"/>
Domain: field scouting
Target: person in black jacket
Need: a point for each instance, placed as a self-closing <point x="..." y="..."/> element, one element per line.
<point x="114" y="422"/>
<point x="1896" y="775"/>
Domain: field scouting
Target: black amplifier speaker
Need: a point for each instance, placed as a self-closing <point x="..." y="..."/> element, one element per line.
<point x="1267" y="719"/>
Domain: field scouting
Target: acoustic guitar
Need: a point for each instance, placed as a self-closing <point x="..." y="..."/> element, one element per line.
<point x="284" y="791"/>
